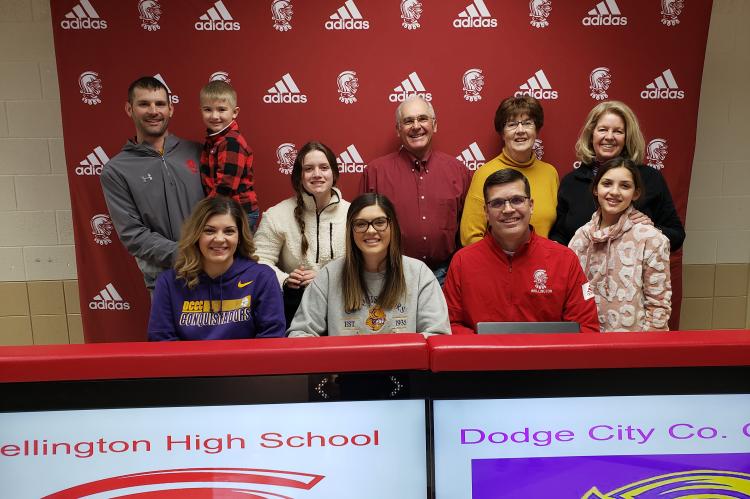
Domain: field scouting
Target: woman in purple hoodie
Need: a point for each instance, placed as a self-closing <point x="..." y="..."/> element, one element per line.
<point x="216" y="290"/>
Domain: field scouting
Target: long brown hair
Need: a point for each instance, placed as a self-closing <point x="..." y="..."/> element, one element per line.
<point x="353" y="278"/>
<point x="189" y="262"/>
<point x="299" y="189"/>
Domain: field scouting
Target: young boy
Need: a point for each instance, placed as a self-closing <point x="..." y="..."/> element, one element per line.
<point x="226" y="161"/>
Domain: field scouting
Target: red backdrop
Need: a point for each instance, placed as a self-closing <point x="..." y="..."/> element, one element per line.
<point x="293" y="62"/>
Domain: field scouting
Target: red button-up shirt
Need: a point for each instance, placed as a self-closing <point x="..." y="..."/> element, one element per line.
<point x="428" y="195"/>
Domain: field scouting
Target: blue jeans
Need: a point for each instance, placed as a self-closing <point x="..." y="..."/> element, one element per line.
<point x="252" y="220"/>
<point x="440" y="272"/>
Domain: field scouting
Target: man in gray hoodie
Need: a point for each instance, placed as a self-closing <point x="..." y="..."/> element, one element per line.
<point x="152" y="185"/>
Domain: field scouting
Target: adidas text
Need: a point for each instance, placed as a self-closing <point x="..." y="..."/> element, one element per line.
<point x="217" y="26"/>
<point x="89" y="170"/>
<point x="605" y="21"/>
<point x="475" y="22"/>
<point x="537" y="94"/>
<point x="664" y="93"/>
<point x="109" y="305"/>
<point x="401" y="97"/>
<point x="347" y="24"/>
<point x="83" y="23"/>
<point x="473" y="164"/>
<point x="351" y="168"/>
<point x="285" y="99"/>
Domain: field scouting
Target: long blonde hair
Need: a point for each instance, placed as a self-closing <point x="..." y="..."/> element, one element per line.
<point x="353" y="283"/>
<point x="635" y="145"/>
<point x="189" y="262"/>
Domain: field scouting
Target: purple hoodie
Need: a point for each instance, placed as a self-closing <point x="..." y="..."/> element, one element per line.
<point x="243" y="302"/>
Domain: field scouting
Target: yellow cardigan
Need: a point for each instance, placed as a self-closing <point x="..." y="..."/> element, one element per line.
<point x="544" y="181"/>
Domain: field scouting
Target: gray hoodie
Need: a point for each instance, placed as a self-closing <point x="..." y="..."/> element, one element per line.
<point x="423" y="309"/>
<point x="149" y="195"/>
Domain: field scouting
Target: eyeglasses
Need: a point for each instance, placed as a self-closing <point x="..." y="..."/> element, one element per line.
<point x="525" y="124"/>
<point x="500" y="203"/>
<point x="413" y="120"/>
<point x="379" y="224"/>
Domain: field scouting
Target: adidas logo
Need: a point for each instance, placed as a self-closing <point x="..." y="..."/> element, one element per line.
<point x="108" y="299"/>
<point x="410" y="87"/>
<point x="83" y="16"/>
<point x="606" y="13"/>
<point x="350" y="161"/>
<point x="93" y="163"/>
<point x="347" y="16"/>
<point x="475" y="15"/>
<point x="174" y="99"/>
<point x="285" y="92"/>
<point x="217" y="18"/>
<point x="538" y="87"/>
<point x="471" y="157"/>
<point x="663" y="87"/>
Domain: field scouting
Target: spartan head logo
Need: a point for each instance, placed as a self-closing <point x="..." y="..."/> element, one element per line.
<point x="539" y="11"/>
<point x="656" y="153"/>
<point x="375" y="318"/>
<point x="348" y="84"/>
<point x="286" y="153"/>
<point x="538" y="148"/>
<point x="220" y="76"/>
<point x="101" y="228"/>
<point x="149" y="12"/>
<point x="90" y="87"/>
<point x="670" y="12"/>
<point x="411" y="10"/>
<point x="540" y="280"/>
<point x="281" y="13"/>
<point x="473" y="81"/>
<point x="600" y="79"/>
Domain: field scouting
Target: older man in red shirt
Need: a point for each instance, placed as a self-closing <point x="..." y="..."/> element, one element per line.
<point x="427" y="187"/>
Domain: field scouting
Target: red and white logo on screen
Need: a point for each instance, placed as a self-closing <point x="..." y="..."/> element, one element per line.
<point x="347" y="83"/>
<point x="93" y="163"/>
<point x="664" y="86"/>
<point x="227" y="483"/>
<point x="219" y="76"/>
<point x="101" y="229"/>
<point x="174" y="99"/>
<point x="286" y="153"/>
<point x="605" y="13"/>
<point x="285" y="91"/>
<point x="108" y="298"/>
<point x="670" y="12"/>
<point x="475" y="15"/>
<point x="347" y="17"/>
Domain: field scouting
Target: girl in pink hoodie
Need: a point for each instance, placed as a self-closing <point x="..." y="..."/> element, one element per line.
<point x="626" y="263"/>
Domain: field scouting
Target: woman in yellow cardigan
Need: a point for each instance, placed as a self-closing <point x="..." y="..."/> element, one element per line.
<point x="518" y="120"/>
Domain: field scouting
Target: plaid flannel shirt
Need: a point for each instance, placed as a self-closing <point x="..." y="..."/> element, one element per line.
<point x="227" y="167"/>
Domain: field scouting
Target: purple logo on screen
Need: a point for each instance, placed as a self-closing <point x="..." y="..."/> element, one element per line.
<point x="659" y="476"/>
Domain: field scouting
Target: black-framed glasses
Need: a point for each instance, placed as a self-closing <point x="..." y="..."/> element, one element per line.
<point x="379" y="224"/>
<point x="525" y="124"/>
<point x="499" y="203"/>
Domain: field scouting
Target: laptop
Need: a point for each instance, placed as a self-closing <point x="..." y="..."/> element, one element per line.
<point x="527" y="327"/>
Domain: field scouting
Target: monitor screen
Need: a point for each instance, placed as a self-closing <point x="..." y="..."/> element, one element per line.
<point x="655" y="446"/>
<point x="364" y="449"/>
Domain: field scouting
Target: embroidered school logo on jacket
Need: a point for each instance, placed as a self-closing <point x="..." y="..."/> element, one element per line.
<point x="540" y="282"/>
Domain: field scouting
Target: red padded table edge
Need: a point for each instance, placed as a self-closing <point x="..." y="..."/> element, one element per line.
<point x="213" y="358"/>
<point x="523" y="352"/>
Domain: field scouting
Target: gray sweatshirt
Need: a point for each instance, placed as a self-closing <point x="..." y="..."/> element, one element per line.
<point x="322" y="309"/>
<point x="149" y="195"/>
